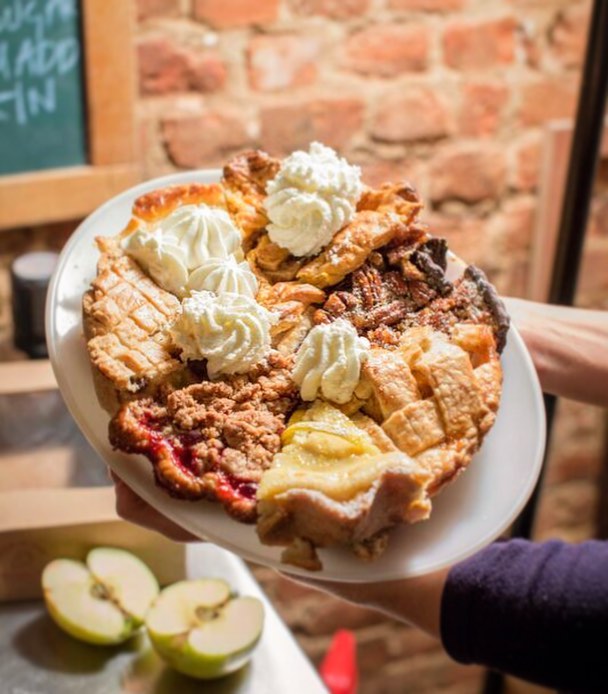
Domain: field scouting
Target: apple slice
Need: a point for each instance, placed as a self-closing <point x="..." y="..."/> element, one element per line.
<point x="103" y="601"/>
<point x="202" y="630"/>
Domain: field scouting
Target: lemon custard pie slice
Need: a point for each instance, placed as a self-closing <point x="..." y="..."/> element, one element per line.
<point x="287" y="343"/>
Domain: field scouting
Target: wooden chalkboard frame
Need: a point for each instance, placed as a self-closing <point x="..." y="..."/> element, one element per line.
<point x="54" y="195"/>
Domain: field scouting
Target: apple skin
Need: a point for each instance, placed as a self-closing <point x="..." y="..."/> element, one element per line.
<point x="179" y="655"/>
<point x="97" y="611"/>
<point x="243" y="616"/>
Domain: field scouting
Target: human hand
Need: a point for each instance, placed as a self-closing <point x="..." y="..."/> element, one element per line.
<point x="567" y="346"/>
<point x="134" y="509"/>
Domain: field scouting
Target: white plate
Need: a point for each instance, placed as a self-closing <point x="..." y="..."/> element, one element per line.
<point x="470" y="513"/>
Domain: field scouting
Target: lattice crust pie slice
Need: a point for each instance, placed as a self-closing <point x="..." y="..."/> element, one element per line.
<point x="125" y="313"/>
<point x="287" y="343"/>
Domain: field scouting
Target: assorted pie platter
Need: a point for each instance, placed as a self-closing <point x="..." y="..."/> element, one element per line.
<point x="466" y="515"/>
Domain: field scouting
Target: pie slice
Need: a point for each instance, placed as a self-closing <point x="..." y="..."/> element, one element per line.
<point x="126" y="314"/>
<point x="337" y="481"/>
<point x="212" y="439"/>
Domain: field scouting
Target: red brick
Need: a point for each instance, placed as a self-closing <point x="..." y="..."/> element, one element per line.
<point x="206" y="71"/>
<point x="426" y="673"/>
<point x="287" y="591"/>
<point x="515" y="225"/>
<point x="427" y="5"/>
<point x="599" y="224"/>
<point x="280" y="62"/>
<point x="479" y="45"/>
<point x="207" y="139"/>
<point x="386" y="50"/>
<point x="372" y="655"/>
<point x="483" y="108"/>
<point x="566" y="506"/>
<point x="335" y="9"/>
<point x="412" y="113"/>
<point x="325" y="614"/>
<point x="165" y="67"/>
<point x="575" y="466"/>
<point x="294" y="125"/>
<point x="593" y="276"/>
<point x="223" y="14"/>
<point x="569" y="34"/>
<point x="527" y="164"/>
<point x="157" y="8"/>
<point x="547" y="98"/>
<point x="468" y="172"/>
<point x="377" y="172"/>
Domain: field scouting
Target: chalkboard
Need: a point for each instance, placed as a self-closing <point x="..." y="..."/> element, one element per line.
<point x="42" y="112"/>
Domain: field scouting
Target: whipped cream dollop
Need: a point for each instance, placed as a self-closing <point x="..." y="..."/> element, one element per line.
<point x="329" y="360"/>
<point x="164" y="260"/>
<point x="202" y="231"/>
<point x="182" y="242"/>
<point x="313" y="196"/>
<point x="230" y="331"/>
<point x="224" y="276"/>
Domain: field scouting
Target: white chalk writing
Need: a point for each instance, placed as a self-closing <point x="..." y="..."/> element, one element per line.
<point x="37" y="50"/>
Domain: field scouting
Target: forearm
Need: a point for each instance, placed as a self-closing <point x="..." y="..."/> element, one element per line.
<point x="569" y="347"/>
<point x="415" y="601"/>
<point x="538" y="611"/>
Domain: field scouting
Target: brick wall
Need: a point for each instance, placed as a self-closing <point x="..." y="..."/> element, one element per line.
<point x="452" y="94"/>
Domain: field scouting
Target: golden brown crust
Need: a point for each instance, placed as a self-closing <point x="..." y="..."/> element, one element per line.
<point x="157" y="204"/>
<point x="351" y="247"/>
<point x="292" y="302"/>
<point x="124" y="316"/>
<point x="400" y="198"/>
<point x="244" y="181"/>
<point x="397" y="496"/>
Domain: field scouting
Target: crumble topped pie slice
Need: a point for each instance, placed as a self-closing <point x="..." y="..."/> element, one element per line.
<point x="213" y="439"/>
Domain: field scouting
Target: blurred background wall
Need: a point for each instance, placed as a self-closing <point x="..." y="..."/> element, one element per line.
<point x="450" y="94"/>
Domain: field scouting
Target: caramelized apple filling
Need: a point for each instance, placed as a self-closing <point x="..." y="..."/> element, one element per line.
<point x="324" y="451"/>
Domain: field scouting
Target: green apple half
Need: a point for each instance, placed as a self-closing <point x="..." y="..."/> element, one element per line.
<point x="103" y="601"/>
<point x="200" y="629"/>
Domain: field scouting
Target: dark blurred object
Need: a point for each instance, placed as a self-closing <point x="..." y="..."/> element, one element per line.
<point x="30" y="277"/>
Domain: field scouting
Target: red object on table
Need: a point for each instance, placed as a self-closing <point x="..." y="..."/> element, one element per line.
<point x="339" y="667"/>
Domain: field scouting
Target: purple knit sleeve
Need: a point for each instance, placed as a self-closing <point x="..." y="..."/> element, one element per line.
<point x="535" y="610"/>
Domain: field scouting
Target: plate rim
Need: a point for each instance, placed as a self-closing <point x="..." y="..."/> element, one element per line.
<point x="91" y="435"/>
